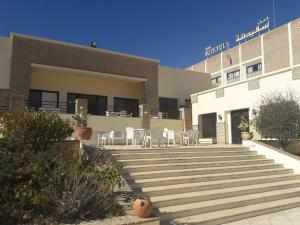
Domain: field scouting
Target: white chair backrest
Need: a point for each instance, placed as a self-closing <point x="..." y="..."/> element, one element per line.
<point x="99" y="134"/>
<point x="193" y="134"/>
<point x="129" y="132"/>
<point x="157" y="132"/>
<point x="165" y="133"/>
<point x="115" y="134"/>
<point x="171" y="134"/>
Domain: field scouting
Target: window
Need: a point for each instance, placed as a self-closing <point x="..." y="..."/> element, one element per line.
<point x="253" y="68"/>
<point x="42" y="99"/>
<point x="97" y="105"/>
<point x="169" y="106"/>
<point x="232" y="75"/>
<point x="127" y="104"/>
<point x="216" y="80"/>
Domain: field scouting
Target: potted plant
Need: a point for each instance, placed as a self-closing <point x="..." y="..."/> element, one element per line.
<point x="82" y="131"/>
<point x="244" y="127"/>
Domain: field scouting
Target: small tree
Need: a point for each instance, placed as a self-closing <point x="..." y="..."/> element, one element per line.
<point x="279" y="117"/>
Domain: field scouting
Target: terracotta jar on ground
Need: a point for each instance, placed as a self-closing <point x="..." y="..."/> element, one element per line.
<point x="142" y="207"/>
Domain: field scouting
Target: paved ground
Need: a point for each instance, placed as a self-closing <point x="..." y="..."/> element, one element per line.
<point x="287" y="217"/>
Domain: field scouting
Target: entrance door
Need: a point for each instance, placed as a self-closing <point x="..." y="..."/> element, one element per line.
<point x="236" y="117"/>
<point x="209" y="122"/>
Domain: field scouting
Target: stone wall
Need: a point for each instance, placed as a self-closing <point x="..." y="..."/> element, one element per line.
<point x="27" y="50"/>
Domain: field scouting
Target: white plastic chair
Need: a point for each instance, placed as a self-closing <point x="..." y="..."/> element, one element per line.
<point x="102" y="137"/>
<point x="116" y="135"/>
<point x="184" y="138"/>
<point x="171" y="137"/>
<point x="158" y="134"/>
<point x="129" y="135"/>
<point x="193" y="136"/>
<point x="147" y="138"/>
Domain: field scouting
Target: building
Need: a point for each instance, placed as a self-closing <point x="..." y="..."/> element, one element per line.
<point x="53" y="74"/>
<point x="240" y="75"/>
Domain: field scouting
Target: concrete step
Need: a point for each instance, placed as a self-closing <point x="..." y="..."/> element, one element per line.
<point x="133" y="162"/>
<point x="149" y="174"/>
<point x="206" y="174"/>
<point x="264" y="177"/>
<point x="171" y="154"/>
<point x="173" y="166"/>
<point x="197" y="196"/>
<point x="238" y="213"/>
<point x="185" y="210"/>
<point x="176" y="149"/>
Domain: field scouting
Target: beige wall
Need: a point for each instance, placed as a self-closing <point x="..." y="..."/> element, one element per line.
<point x="176" y="125"/>
<point x="5" y="59"/>
<point x="65" y="82"/>
<point x="295" y="33"/>
<point x="232" y="54"/>
<point x="238" y="96"/>
<point x="276" y="49"/>
<point x="251" y="49"/>
<point x="180" y="84"/>
<point x="107" y="123"/>
<point x="213" y="64"/>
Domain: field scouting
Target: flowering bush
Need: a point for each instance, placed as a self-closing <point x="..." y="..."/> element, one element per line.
<point x="34" y="131"/>
<point x="39" y="188"/>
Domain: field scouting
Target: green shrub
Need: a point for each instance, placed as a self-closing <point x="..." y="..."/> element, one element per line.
<point x="34" y="131"/>
<point x="279" y="117"/>
<point x="39" y="188"/>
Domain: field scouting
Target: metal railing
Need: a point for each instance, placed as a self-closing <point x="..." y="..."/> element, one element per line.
<point x="159" y="114"/>
<point x="49" y="106"/>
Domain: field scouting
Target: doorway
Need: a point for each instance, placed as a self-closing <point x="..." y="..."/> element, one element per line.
<point x="236" y="118"/>
<point x="209" y="122"/>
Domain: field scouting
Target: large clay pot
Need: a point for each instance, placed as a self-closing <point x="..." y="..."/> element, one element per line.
<point x="142" y="207"/>
<point x="83" y="133"/>
<point x="247" y="135"/>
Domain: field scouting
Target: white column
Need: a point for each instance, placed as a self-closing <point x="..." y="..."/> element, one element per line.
<point x="262" y="54"/>
<point x="223" y="77"/>
<point x="205" y="66"/>
<point x="242" y="68"/>
<point x="290" y="45"/>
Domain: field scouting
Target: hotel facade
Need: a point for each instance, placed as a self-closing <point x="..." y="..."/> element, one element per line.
<point x="240" y="76"/>
<point x="53" y="74"/>
<point x="221" y="90"/>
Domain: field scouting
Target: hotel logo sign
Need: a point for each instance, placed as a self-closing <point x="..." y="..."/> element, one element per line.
<point x="216" y="49"/>
<point x="261" y="26"/>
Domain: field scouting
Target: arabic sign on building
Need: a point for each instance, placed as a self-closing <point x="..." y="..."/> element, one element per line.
<point x="212" y="50"/>
<point x="261" y="26"/>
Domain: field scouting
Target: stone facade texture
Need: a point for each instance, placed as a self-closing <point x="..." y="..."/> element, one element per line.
<point x="29" y="50"/>
<point x="221" y="138"/>
<point x="295" y="33"/>
<point x="186" y="116"/>
<point x="251" y="49"/>
<point x="296" y="73"/>
<point x="4" y="99"/>
<point x="213" y="64"/>
<point x="231" y="57"/>
<point x="276" y="49"/>
<point x="253" y="84"/>
<point x="200" y="67"/>
<point x="220" y="93"/>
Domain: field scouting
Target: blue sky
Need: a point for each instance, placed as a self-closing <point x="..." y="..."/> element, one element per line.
<point x="173" y="31"/>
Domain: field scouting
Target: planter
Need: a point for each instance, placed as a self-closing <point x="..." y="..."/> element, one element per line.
<point x="142" y="207"/>
<point x="83" y="133"/>
<point x="247" y="135"/>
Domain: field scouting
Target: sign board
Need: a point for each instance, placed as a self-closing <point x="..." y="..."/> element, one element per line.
<point x="216" y="49"/>
<point x="261" y="26"/>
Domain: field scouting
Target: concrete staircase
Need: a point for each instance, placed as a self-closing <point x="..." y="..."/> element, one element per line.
<point x="209" y="185"/>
